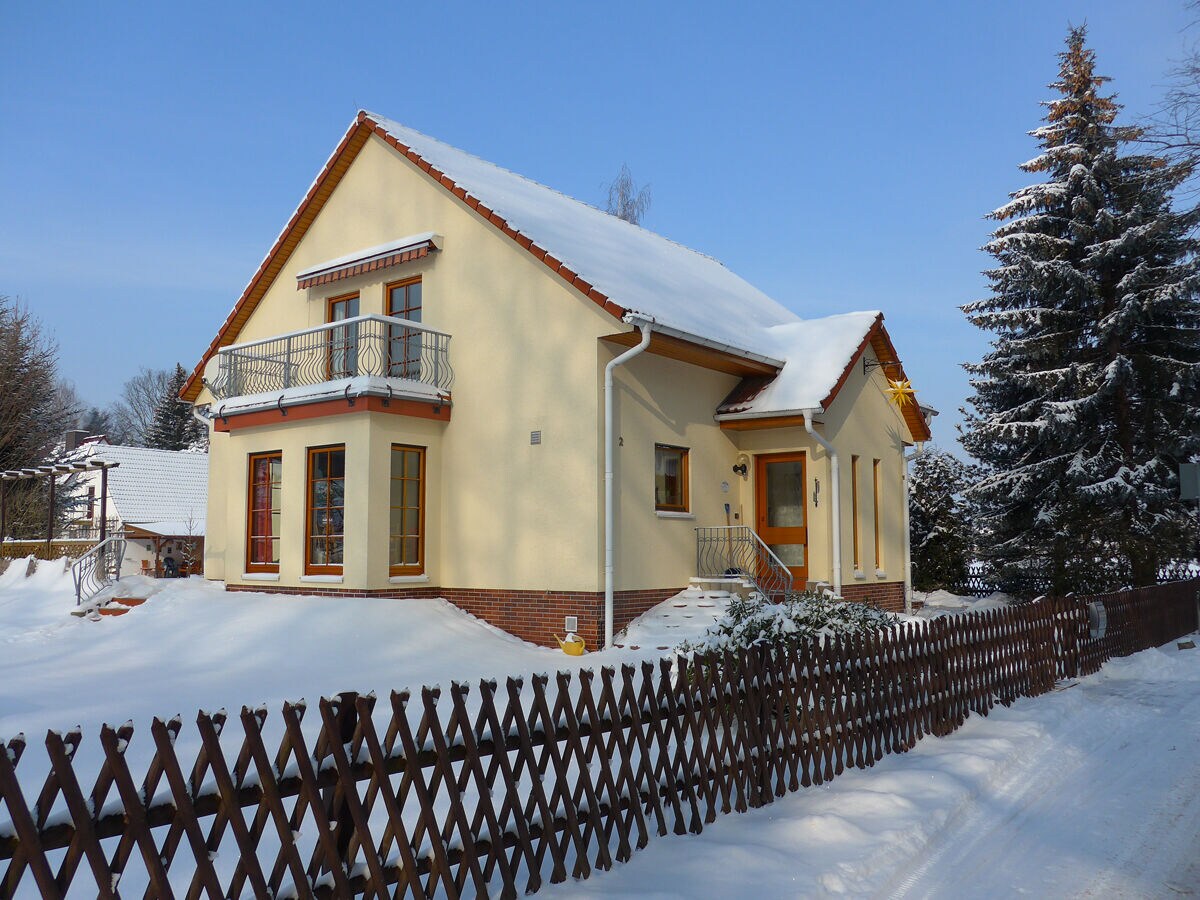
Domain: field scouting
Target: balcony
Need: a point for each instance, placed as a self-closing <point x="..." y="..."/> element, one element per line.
<point x="372" y="355"/>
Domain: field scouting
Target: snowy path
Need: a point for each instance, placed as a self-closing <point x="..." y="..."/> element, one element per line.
<point x="1113" y="811"/>
<point x="1091" y="791"/>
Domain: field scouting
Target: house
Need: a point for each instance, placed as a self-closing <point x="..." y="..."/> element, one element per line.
<point x="409" y="399"/>
<point x="156" y="498"/>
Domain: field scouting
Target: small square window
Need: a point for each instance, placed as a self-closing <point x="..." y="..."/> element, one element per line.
<point x="670" y="478"/>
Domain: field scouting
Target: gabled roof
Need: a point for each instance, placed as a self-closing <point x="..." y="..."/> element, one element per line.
<point x="621" y="267"/>
<point x="821" y="354"/>
<point x="157" y="489"/>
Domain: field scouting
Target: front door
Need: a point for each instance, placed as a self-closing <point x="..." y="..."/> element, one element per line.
<point x="780" y="510"/>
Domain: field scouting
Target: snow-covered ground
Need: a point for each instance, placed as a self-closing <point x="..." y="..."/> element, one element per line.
<point x="944" y="603"/>
<point x="194" y="646"/>
<point x="1090" y="791"/>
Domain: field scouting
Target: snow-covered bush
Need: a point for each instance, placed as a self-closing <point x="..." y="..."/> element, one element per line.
<point x="800" y="616"/>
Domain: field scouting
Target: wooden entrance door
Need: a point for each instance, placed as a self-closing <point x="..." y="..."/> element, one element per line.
<point x="781" y="510"/>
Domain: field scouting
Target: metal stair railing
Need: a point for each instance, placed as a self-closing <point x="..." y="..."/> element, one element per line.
<point x="98" y="568"/>
<point x="735" y="551"/>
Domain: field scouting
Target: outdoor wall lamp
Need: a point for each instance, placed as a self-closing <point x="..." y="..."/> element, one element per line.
<point x="741" y="465"/>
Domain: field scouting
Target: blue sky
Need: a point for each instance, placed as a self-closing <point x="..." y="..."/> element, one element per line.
<point x="839" y="156"/>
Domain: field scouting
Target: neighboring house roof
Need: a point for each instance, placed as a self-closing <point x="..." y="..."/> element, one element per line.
<point x="161" y="491"/>
<point x="621" y="267"/>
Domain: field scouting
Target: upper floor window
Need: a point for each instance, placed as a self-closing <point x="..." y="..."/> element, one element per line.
<point x="343" y="342"/>
<point x="404" y="344"/>
<point x="670" y="478"/>
<point x="326" y="510"/>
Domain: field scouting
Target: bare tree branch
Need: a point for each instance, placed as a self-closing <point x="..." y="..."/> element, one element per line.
<point x="625" y="201"/>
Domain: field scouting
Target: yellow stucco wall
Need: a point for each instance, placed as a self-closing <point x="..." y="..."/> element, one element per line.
<point x="663" y="401"/>
<point x="525" y="355"/>
<point x="863" y="422"/>
<point x="500" y="512"/>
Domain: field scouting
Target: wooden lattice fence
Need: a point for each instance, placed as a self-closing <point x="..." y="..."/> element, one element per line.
<point x="495" y="790"/>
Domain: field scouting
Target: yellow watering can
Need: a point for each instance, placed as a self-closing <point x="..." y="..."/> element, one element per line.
<point x="573" y="645"/>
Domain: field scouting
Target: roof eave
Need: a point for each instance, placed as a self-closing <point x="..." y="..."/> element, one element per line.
<point x="668" y="331"/>
<point x="814" y="411"/>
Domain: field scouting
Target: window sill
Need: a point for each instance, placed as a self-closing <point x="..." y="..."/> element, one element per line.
<point x="860" y="575"/>
<point x="670" y="514"/>
<point x="322" y="579"/>
<point x="408" y="579"/>
<point x="260" y="576"/>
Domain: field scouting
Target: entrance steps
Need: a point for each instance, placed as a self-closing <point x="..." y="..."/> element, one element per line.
<point x="728" y="586"/>
<point x="109" y="606"/>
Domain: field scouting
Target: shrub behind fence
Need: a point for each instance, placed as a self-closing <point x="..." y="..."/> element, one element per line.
<point x="493" y="791"/>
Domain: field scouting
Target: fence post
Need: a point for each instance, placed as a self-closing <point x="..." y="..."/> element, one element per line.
<point x="333" y="797"/>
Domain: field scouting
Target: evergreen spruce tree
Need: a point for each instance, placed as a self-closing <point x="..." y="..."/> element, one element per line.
<point x="1088" y="399"/>
<point x="940" y="520"/>
<point x="173" y="427"/>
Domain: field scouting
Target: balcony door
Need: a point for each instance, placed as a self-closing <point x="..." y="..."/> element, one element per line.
<point x="342" y="361"/>
<point x="404" y="344"/>
<point x="781" y="511"/>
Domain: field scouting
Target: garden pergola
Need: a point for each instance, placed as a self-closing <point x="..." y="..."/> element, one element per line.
<point x="52" y="472"/>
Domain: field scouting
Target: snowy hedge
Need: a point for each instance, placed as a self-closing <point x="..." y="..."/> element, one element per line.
<point x="800" y="616"/>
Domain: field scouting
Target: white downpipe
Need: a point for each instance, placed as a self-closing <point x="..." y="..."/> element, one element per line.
<point x="835" y="501"/>
<point x="908" y="588"/>
<point x="643" y="324"/>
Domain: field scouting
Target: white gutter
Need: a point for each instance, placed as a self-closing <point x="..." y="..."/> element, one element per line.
<point x="751" y="355"/>
<point x="197" y="415"/>
<point x="836" y="501"/>
<point x="908" y="588"/>
<point x="643" y="323"/>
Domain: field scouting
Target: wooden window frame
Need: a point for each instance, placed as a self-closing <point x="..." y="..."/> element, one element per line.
<point x="877" y="492"/>
<point x="403" y="282"/>
<point x="684" y="478"/>
<point x="854" y="512"/>
<point x="251" y="565"/>
<point x="387" y="306"/>
<point x="311" y="568"/>
<point x="419" y="568"/>
<point x="330" y="302"/>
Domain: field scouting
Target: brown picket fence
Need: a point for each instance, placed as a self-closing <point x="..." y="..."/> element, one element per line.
<point x="496" y="790"/>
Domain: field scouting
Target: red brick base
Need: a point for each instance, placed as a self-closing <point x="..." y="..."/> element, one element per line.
<point x="887" y="595"/>
<point x="534" y="616"/>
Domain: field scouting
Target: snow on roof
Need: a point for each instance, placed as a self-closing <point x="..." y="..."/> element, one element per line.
<point x="688" y="294"/>
<point x="818" y="351"/>
<point x="157" y="487"/>
<point x="638" y="269"/>
<point x="682" y="289"/>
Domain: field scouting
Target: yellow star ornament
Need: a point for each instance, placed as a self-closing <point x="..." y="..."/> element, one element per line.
<point x="901" y="393"/>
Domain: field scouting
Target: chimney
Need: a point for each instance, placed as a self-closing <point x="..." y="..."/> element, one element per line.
<point x="74" y="438"/>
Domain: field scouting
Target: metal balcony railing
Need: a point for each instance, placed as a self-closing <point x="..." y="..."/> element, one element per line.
<point x="383" y="346"/>
<point x="735" y="551"/>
